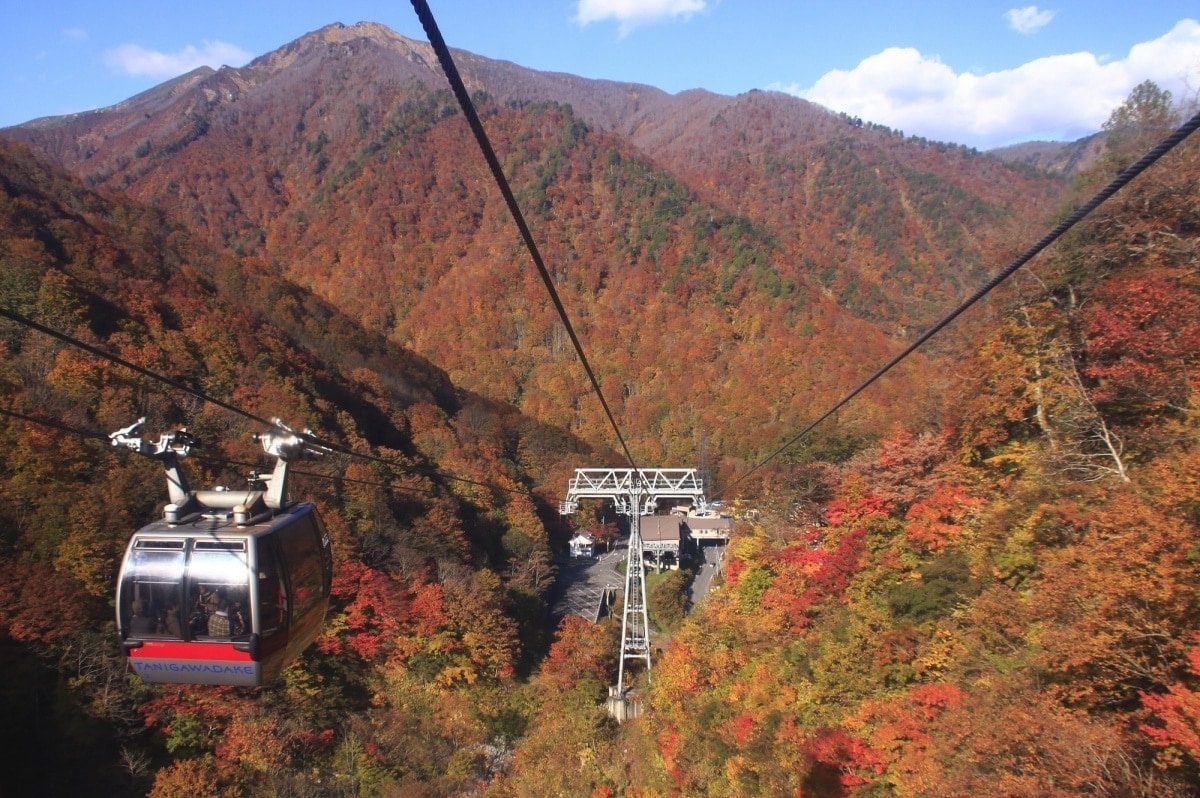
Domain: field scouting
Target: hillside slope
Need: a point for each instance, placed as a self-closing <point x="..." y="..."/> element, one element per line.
<point x="437" y="539"/>
<point x="731" y="262"/>
<point x="1066" y="158"/>
<point x="997" y="599"/>
<point x="1007" y="606"/>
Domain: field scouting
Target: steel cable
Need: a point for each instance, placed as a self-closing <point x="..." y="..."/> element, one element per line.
<point x="1117" y="183"/>
<point x="489" y="154"/>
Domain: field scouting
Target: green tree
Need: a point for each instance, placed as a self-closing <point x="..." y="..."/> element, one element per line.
<point x="1146" y="116"/>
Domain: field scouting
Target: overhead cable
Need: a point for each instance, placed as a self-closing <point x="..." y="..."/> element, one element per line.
<point x="1117" y="183"/>
<point x="58" y="425"/>
<point x="145" y="372"/>
<point x="489" y="154"/>
<point x="88" y="434"/>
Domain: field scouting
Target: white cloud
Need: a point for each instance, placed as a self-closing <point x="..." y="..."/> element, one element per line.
<point x="131" y="59"/>
<point x="631" y="13"/>
<point x="1028" y="19"/>
<point x="1061" y="97"/>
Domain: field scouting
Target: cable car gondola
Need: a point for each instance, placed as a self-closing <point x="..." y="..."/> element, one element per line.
<point x="229" y="586"/>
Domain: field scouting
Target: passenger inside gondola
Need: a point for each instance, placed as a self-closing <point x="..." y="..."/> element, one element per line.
<point x="172" y="625"/>
<point x="203" y="606"/>
<point x="218" y="622"/>
<point x="206" y="600"/>
<point x="141" y="623"/>
<point x="237" y="619"/>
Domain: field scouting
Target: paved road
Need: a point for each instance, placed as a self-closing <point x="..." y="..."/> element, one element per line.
<point x="713" y="554"/>
<point x="585" y="584"/>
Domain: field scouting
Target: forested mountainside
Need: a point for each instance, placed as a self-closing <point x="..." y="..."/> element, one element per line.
<point x="1006" y="605"/>
<point x="443" y="561"/>
<point x="1068" y="158"/>
<point x="729" y="261"/>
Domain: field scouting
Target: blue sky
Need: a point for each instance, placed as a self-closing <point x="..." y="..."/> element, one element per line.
<point x="979" y="73"/>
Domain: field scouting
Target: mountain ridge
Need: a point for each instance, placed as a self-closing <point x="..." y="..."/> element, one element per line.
<point x="341" y="161"/>
<point x="1057" y="157"/>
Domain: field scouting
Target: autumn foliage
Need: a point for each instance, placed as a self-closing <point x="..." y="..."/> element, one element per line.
<point x="981" y="582"/>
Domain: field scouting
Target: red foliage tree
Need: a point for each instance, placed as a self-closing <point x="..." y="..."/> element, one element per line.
<point x="1143" y="339"/>
<point x="1176" y="715"/>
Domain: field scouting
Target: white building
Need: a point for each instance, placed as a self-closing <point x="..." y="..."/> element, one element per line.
<point x="582" y="546"/>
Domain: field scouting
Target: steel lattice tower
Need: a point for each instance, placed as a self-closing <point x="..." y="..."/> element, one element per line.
<point x="634" y="492"/>
<point x="635" y="620"/>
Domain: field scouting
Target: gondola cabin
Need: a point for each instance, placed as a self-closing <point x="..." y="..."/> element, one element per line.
<point x="226" y="588"/>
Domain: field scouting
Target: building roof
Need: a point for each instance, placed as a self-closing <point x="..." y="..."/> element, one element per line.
<point x="660" y="528"/>
<point x="723" y="522"/>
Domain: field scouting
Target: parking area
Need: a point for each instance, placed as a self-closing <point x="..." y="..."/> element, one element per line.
<point x="588" y="586"/>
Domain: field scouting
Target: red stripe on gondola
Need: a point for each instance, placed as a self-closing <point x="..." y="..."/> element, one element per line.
<point x="179" y="649"/>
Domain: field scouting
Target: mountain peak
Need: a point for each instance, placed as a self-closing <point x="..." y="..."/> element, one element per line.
<point x="339" y="40"/>
<point x="339" y="33"/>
